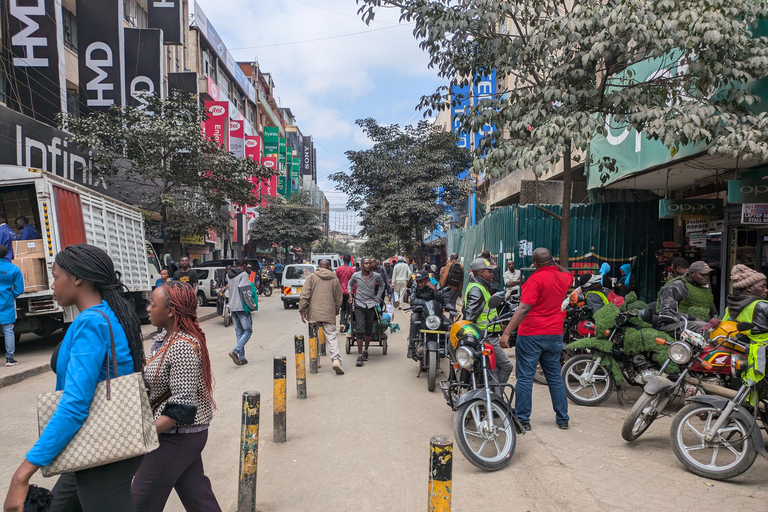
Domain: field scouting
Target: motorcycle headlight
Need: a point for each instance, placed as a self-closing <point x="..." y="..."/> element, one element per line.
<point x="680" y="352"/>
<point x="433" y="322"/>
<point x="465" y="357"/>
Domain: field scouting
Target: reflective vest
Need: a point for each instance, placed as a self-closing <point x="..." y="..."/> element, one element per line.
<point x="756" y="356"/>
<point x="602" y="296"/>
<point x="488" y="314"/>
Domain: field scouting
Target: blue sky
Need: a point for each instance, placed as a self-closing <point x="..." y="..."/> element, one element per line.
<point x="378" y="72"/>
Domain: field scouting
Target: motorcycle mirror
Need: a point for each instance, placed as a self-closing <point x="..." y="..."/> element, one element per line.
<point x="495" y="302"/>
<point x="743" y="326"/>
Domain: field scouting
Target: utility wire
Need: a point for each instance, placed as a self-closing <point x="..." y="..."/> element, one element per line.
<point x="320" y="38"/>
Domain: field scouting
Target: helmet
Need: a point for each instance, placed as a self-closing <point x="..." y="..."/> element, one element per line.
<point x="586" y="328"/>
<point x="461" y="329"/>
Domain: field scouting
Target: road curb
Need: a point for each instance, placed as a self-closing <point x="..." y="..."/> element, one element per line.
<point x="9" y="380"/>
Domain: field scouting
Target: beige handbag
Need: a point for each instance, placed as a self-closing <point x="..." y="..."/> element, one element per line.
<point x="119" y="426"/>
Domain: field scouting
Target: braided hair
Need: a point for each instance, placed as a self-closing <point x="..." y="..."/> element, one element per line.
<point x="181" y="296"/>
<point x="90" y="263"/>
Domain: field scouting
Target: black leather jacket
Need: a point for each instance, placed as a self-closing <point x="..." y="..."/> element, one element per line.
<point x="474" y="304"/>
<point x="427" y="293"/>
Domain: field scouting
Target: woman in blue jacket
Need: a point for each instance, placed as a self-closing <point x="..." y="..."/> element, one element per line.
<point x="85" y="277"/>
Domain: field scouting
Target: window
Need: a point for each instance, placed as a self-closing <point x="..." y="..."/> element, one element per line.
<point x="134" y="14"/>
<point x="73" y="103"/>
<point x="298" y="271"/>
<point x="70" y="29"/>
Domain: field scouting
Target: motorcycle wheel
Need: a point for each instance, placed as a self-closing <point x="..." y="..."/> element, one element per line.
<point x="720" y="459"/>
<point x="227" y="316"/>
<point x="432" y="371"/>
<point x="489" y="451"/>
<point x="597" y="391"/>
<point x="646" y="410"/>
<point x="266" y="290"/>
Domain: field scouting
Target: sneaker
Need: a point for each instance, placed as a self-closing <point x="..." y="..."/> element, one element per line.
<point x="359" y="361"/>
<point x="243" y="360"/>
<point x="11" y="362"/>
<point x="527" y="427"/>
<point x="343" y="328"/>
<point x="563" y="426"/>
<point x="236" y="358"/>
<point x="337" y="367"/>
<point x="397" y="304"/>
<point x="365" y="355"/>
<point x="409" y="355"/>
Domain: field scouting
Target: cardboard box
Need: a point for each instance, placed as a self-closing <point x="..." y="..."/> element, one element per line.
<point x="28" y="249"/>
<point x="34" y="272"/>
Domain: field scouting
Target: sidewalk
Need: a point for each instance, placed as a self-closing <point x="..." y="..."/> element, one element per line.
<point x="34" y="353"/>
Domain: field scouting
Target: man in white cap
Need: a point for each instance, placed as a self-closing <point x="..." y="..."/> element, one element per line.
<point x="688" y="297"/>
<point x="400" y="274"/>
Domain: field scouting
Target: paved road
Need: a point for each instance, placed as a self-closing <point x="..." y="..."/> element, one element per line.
<point x="360" y="441"/>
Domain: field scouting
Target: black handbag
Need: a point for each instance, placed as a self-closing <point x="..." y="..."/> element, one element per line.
<point x="38" y="499"/>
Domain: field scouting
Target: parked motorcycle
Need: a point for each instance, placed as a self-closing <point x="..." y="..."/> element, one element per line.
<point x="433" y="327"/>
<point x="222" y="305"/>
<point x="589" y="379"/>
<point x="719" y="438"/>
<point x="265" y="287"/>
<point x="705" y="365"/>
<point x="577" y="324"/>
<point x="485" y="426"/>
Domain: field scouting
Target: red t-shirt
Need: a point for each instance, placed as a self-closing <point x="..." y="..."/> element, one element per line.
<point x="344" y="273"/>
<point x="544" y="291"/>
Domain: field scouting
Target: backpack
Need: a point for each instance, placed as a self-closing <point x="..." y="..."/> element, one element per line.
<point x="616" y="299"/>
<point x="455" y="275"/>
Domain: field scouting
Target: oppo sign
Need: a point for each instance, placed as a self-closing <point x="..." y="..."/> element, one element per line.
<point x="671" y="208"/>
<point x="748" y="191"/>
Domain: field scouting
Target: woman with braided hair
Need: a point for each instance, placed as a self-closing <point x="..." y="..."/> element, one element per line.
<point x="84" y="276"/>
<point x="180" y="383"/>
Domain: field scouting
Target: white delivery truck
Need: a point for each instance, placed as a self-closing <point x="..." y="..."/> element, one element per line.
<point x="67" y="213"/>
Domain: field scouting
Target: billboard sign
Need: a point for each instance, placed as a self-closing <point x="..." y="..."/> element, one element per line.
<point x="237" y="138"/>
<point x="253" y="147"/>
<point x="143" y="65"/>
<point x="217" y="124"/>
<point x="271" y="140"/>
<point x="100" y="46"/>
<point x="167" y="15"/>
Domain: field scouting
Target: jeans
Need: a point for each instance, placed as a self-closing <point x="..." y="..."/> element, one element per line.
<point x="531" y="351"/>
<point x="10" y="340"/>
<point x="243" y="330"/>
<point x="97" y="489"/>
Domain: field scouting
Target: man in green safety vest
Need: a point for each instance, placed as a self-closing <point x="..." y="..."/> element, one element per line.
<point x="688" y="296"/>
<point x="749" y="305"/>
<point x="595" y="296"/>
<point x="476" y="310"/>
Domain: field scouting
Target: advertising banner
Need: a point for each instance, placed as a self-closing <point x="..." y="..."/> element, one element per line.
<point x="253" y="147"/>
<point x="36" y="81"/>
<point x="167" y="15"/>
<point x="185" y="82"/>
<point x="282" y="152"/>
<point x="270" y="162"/>
<point x="748" y="191"/>
<point x="217" y="125"/>
<point x="281" y="188"/>
<point x="237" y="138"/>
<point x="306" y="157"/>
<point x="100" y="47"/>
<point x="295" y="171"/>
<point x="271" y="140"/>
<point x="752" y="213"/>
<point x="673" y="208"/>
<point x="143" y="64"/>
<point x="191" y="239"/>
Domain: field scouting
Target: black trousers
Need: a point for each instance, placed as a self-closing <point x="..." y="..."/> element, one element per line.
<point x="105" y="488"/>
<point x="177" y="464"/>
<point x="364" y="319"/>
<point x="344" y="309"/>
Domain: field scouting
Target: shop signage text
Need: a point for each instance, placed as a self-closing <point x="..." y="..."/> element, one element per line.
<point x="754" y="213"/>
<point x="672" y="208"/>
<point x="748" y="191"/>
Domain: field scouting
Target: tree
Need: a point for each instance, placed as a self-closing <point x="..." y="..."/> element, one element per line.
<point x="291" y="223"/>
<point x="157" y="158"/>
<point x="326" y="245"/>
<point x="568" y="67"/>
<point x="405" y="184"/>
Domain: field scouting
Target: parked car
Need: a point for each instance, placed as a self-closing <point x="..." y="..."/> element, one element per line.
<point x="293" y="280"/>
<point x="209" y="280"/>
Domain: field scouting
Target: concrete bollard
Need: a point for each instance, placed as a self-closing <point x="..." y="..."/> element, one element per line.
<point x="279" y="401"/>
<point x="440" y="471"/>
<point x="249" y="452"/>
<point x="321" y="339"/>
<point x="313" y="363"/>
<point x="301" y="367"/>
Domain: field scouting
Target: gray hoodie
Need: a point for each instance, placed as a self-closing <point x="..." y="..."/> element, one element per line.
<point x="237" y="278"/>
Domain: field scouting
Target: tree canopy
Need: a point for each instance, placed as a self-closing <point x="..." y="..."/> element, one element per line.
<point x="566" y="67"/>
<point x="157" y="157"/>
<point x="406" y="184"/>
<point x="287" y="223"/>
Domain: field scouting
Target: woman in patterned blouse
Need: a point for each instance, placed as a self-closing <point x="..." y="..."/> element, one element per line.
<point x="181" y="393"/>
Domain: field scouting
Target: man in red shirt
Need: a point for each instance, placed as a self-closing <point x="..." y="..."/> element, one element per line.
<point x="539" y="324"/>
<point x="344" y="273"/>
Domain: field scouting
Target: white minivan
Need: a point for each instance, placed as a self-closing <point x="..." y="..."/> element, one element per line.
<point x="335" y="259"/>
<point x="293" y="281"/>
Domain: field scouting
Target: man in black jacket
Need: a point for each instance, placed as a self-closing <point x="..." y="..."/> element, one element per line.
<point x="421" y="289"/>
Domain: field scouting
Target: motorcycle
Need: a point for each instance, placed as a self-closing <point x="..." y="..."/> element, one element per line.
<point x="485" y="426"/>
<point x="222" y="305"/>
<point x="717" y="437"/>
<point x="707" y="366"/>
<point x="430" y="346"/>
<point x="593" y="372"/>
<point x="577" y="324"/>
<point x="265" y="287"/>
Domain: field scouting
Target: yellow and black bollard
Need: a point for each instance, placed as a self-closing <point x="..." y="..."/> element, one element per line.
<point x="249" y="452"/>
<point x="313" y="348"/>
<point x="440" y="470"/>
<point x="301" y="368"/>
<point x="278" y="401"/>
<point x="321" y="339"/>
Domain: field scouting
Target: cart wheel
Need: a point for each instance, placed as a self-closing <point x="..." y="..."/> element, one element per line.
<point x="349" y="345"/>
<point x="384" y="346"/>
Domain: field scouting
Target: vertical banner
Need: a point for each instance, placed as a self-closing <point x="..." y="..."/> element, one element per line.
<point x="271" y="140"/>
<point x="459" y="104"/>
<point x="167" y="15"/>
<point x="36" y="82"/>
<point x="253" y="147"/>
<point x="282" y="152"/>
<point x="100" y="47"/>
<point x="270" y="162"/>
<point x="237" y="138"/>
<point x="143" y="65"/>
<point x="295" y="171"/>
<point x="306" y="158"/>
<point x="217" y="125"/>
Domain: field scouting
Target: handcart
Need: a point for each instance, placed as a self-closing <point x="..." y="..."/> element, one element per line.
<point x="379" y="337"/>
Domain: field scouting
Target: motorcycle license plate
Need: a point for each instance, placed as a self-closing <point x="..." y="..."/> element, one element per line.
<point x="297" y="289"/>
